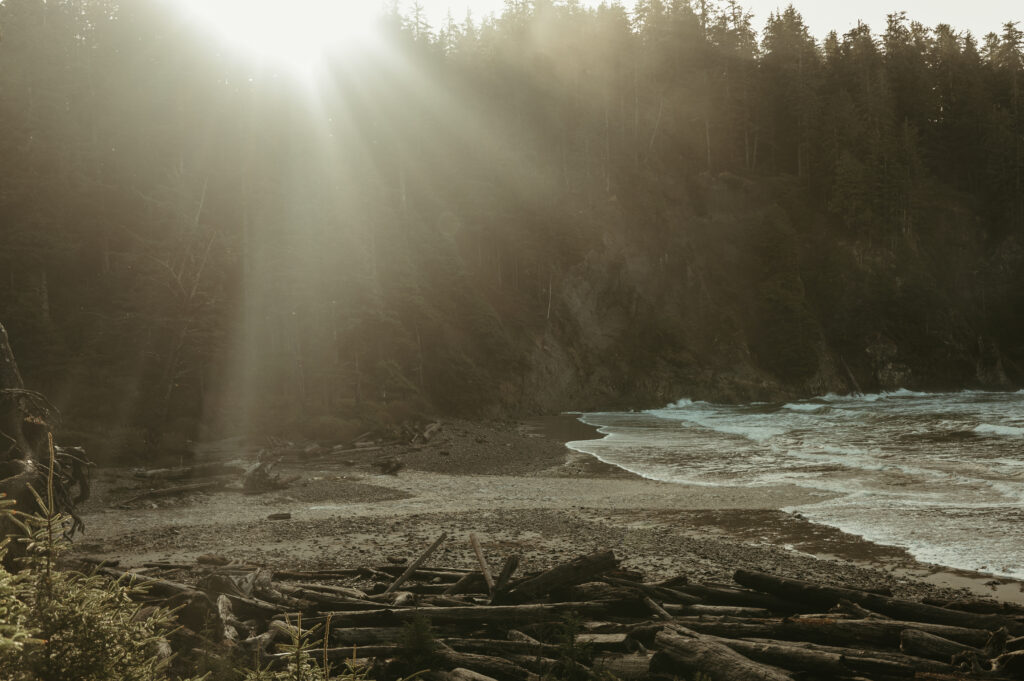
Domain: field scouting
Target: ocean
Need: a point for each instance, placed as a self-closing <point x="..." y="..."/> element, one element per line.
<point x="938" y="474"/>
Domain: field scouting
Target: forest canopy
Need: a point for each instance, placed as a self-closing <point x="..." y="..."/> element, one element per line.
<point x="560" y="207"/>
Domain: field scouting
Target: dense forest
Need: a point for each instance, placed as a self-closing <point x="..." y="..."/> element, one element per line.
<point x="559" y="208"/>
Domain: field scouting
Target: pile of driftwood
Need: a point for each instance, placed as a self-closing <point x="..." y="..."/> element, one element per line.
<point x="252" y="478"/>
<point x="260" y="477"/>
<point x="585" y="619"/>
<point x="407" y="435"/>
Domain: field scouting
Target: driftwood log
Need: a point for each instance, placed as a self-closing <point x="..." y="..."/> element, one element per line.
<point x="884" y="633"/>
<point x="580" y="570"/>
<point x="691" y="653"/>
<point x="826" y="597"/>
<point x="923" y="644"/>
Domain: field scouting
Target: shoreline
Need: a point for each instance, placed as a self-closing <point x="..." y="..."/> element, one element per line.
<point x="791" y="530"/>
<point x="520" y="489"/>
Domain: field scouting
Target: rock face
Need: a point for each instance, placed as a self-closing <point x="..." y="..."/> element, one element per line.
<point x="757" y="297"/>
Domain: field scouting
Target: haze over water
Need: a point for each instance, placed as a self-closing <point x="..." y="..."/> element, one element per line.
<point x="941" y="475"/>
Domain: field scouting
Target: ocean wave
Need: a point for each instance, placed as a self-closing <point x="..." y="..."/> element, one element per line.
<point x="808" y="408"/>
<point x="928" y="472"/>
<point x="1004" y="431"/>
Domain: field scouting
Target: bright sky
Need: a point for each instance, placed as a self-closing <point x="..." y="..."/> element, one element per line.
<point x="978" y="16"/>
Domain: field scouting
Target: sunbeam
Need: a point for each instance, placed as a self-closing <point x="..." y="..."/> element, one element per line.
<point x="296" y="33"/>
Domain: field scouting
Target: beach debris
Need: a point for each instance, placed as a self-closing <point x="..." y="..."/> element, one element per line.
<point x="485" y="569"/>
<point x="582" y="619"/>
<point x="171" y="491"/>
<point x="416" y="563"/>
<point x="389" y="466"/>
<point x="202" y="470"/>
<point x="260" y="477"/>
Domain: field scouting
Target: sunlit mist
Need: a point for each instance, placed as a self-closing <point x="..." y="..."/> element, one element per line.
<point x="298" y="33"/>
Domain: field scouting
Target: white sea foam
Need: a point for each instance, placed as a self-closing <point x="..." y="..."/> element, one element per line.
<point x="809" y="407"/>
<point x="992" y="429"/>
<point x="939" y="474"/>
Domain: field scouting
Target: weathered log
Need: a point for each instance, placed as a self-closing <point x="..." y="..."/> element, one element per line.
<point x="833" y="631"/>
<point x="582" y="569"/>
<point x="164" y="565"/>
<point x="694" y="653"/>
<point x="746" y="598"/>
<point x="336" y="655"/>
<point x="662" y="593"/>
<point x="329" y="601"/>
<point x="1014" y="644"/>
<point x="1010" y="663"/>
<point x="923" y="644"/>
<point x="612" y="643"/>
<point x="445" y="601"/>
<point x="501" y="583"/>
<point x="431" y="430"/>
<point x="361" y="636"/>
<point x="845" y="607"/>
<point x="516" y="635"/>
<point x="248" y="606"/>
<point x="495" y="667"/>
<point x="543" y="666"/>
<point x="633" y="667"/>
<point x="424" y="589"/>
<point x="368" y="573"/>
<point x="470" y="615"/>
<point x="472" y="582"/>
<point x="716" y="610"/>
<point x="171" y="491"/>
<point x="825" y="597"/>
<point x="209" y="469"/>
<point x="259" y="478"/>
<point x="918" y="663"/>
<point x="485" y="569"/>
<point x="596" y="591"/>
<point x="440" y="574"/>
<point x="416" y="563"/>
<point x="151" y="586"/>
<point x="828" y="664"/>
<point x="500" y="647"/>
<point x="981" y="607"/>
<point x="792" y="658"/>
<point x="658" y="611"/>
<point x="460" y="674"/>
<point x="342" y="591"/>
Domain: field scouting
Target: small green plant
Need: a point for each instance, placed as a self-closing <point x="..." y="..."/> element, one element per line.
<point x="299" y="665"/>
<point x="58" y="625"/>
<point x="418" y="642"/>
<point x="300" y="659"/>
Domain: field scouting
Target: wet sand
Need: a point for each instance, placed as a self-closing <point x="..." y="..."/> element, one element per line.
<point x="521" y="490"/>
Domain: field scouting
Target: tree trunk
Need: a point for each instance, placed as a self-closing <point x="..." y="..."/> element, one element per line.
<point x="884" y="633"/>
<point x="695" y="654"/>
<point x="825" y="597"/>
<point x="923" y="644"/>
<point x="578" y="571"/>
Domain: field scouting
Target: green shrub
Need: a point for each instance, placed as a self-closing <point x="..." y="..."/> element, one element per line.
<point x="58" y="625"/>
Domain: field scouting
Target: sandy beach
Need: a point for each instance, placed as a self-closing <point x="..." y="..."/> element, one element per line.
<point x="521" y="490"/>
